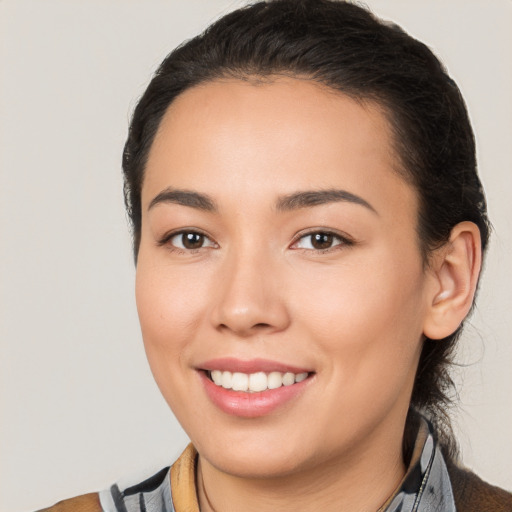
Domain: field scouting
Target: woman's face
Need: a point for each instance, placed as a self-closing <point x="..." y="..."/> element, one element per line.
<point x="278" y="238"/>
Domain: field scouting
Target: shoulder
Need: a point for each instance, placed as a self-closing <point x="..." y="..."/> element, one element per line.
<point x="155" y="490"/>
<point x="472" y="494"/>
<point x="85" y="503"/>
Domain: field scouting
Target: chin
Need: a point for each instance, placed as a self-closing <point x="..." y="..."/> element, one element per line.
<point x="255" y="465"/>
<point x="256" y="455"/>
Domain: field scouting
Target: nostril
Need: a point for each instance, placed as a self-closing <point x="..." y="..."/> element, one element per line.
<point x="261" y="326"/>
<point x="258" y="326"/>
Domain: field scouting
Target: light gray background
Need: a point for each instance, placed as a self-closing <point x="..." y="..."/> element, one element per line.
<point x="79" y="409"/>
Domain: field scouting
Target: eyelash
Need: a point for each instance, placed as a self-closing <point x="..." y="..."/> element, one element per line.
<point x="343" y="241"/>
<point x="166" y="240"/>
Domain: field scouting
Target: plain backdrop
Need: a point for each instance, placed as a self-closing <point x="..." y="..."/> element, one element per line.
<point x="79" y="409"/>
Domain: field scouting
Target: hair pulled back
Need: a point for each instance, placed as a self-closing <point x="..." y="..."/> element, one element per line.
<point x="346" y="48"/>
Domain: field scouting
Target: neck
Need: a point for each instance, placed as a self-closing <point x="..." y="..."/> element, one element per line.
<point x="356" y="482"/>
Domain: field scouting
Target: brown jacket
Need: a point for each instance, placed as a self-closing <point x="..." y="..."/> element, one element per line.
<point x="471" y="495"/>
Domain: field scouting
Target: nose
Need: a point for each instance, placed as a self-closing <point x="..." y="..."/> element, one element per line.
<point x="250" y="299"/>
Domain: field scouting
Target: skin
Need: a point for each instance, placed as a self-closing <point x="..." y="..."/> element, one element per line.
<point x="355" y="314"/>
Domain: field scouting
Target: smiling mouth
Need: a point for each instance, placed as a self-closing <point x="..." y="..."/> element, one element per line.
<point x="254" y="382"/>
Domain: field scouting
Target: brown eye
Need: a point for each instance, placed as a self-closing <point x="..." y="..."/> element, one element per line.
<point x="322" y="240"/>
<point x="190" y="240"/>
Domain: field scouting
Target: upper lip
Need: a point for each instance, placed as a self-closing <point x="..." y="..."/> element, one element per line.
<point x="231" y="364"/>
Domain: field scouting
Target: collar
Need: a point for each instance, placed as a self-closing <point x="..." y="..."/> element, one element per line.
<point x="426" y="485"/>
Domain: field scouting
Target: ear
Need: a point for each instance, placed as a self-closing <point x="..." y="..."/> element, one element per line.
<point x="454" y="268"/>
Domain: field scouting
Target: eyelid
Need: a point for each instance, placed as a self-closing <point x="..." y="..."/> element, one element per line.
<point x="345" y="240"/>
<point x="167" y="237"/>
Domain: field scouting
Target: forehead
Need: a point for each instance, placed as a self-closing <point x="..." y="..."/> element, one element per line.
<point x="279" y="135"/>
<point x="293" y="107"/>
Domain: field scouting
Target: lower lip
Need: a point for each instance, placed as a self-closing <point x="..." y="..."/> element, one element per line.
<point x="251" y="405"/>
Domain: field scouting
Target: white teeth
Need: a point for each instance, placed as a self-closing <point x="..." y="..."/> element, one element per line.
<point x="258" y="381"/>
<point x="240" y="382"/>
<point x="227" y="379"/>
<point x="274" y="380"/>
<point x="217" y="377"/>
<point x="255" y="382"/>
<point x="288" y="379"/>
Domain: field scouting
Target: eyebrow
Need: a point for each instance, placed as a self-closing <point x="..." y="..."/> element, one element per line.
<point x="310" y="198"/>
<point x="184" y="198"/>
<point x="295" y="201"/>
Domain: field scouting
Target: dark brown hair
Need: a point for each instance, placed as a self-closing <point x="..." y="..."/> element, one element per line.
<point x="346" y="48"/>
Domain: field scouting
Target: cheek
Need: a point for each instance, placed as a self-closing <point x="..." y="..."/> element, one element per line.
<point x="367" y="314"/>
<point x="170" y="305"/>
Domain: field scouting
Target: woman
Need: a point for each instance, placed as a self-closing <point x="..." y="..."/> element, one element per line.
<point x="308" y="231"/>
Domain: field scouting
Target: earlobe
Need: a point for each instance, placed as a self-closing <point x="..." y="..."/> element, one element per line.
<point x="455" y="270"/>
